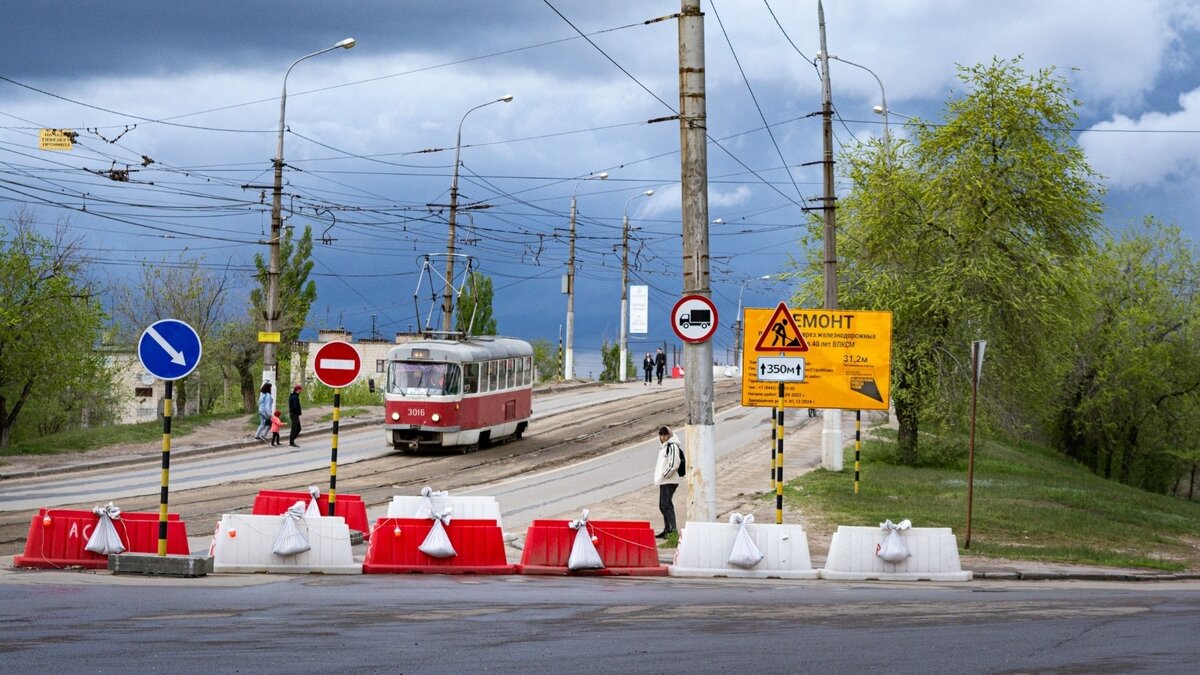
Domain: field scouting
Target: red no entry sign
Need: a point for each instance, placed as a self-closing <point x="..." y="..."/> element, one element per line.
<point x="337" y="364"/>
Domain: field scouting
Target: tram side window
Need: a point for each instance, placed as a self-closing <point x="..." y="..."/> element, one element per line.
<point x="493" y="376"/>
<point x="528" y="370"/>
<point x="470" y="378"/>
<point x="519" y="374"/>
<point x="504" y="374"/>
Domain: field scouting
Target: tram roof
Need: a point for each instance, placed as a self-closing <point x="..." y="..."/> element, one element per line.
<point x="475" y="348"/>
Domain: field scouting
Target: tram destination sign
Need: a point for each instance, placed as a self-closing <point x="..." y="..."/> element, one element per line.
<point x="825" y="358"/>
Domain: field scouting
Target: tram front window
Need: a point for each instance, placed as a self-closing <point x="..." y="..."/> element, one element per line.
<point x="422" y="378"/>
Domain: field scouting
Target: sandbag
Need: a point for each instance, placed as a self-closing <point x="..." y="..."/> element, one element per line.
<point x="437" y="543"/>
<point x="104" y="539"/>
<point x="584" y="555"/>
<point x="291" y="540"/>
<point x="745" y="553"/>
<point x="893" y="549"/>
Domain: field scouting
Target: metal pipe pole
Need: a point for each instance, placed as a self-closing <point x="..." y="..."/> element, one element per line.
<point x="700" y="431"/>
<point x="272" y="311"/>
<point x="448" y="295"/>
<point x="622" y="370"/>
<point x="569" y="358"/>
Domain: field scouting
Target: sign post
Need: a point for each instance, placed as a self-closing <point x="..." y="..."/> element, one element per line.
<point x="169" y="350"/>
<point x="336" y="365"/>
<point x="977" y="349"/>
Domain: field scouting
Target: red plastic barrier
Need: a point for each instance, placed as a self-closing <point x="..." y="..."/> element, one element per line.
<point x="626" y="547"/>
<point x="348" y="506"/>
<point x="479" y="544"/>
<point x="60" y="541"/>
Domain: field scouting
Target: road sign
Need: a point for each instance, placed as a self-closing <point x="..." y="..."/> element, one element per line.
<point x="56" y="139"/>
<point x="780" y="369"/>
<point x="694" y="318"/>
<point x="169" y="349"/>
<point x="336" y="364"/>
<point x="268" y="336"/>
<point x="847" y="358"/>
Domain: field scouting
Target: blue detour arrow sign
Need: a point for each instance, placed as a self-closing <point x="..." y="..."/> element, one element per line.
<point x="169" y="349"/>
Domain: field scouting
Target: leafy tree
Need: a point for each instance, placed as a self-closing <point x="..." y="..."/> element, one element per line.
<point x="50" y="323"/>
<point x="545" y="360"/>
<point x="610" y="355"/>
<point x="1130" y="408"/>
<point x="188" y="292"/>
<point x="474" y="312"/>
<point x="976" y="229"/>
<point x="297" y="293"/>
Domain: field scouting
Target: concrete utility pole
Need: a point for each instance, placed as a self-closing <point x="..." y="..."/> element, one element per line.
<point x="624" y="351"/>
<point x="831" y="434"/>
<point x="569" y="361"/>
<point x="700" y="432"/>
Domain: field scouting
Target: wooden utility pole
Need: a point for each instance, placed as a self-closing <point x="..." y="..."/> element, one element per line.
<point x="700" y="432"/>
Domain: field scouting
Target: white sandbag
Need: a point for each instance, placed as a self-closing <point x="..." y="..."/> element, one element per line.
<point x="104" y="539"/>
<point x="893" y="549"/>
<point x="584" y="555"/>
<point x="437" y="543"/>
<point x="744" y="553"/>
<point x="427" y="507"/>
<point x="291" y="539"/>
<point x="314" y="506"/>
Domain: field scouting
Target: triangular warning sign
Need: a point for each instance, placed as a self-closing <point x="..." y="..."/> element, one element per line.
<point x="781" y="333"/>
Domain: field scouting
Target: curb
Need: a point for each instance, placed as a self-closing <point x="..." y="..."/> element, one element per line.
<point x="1086" y="576"/>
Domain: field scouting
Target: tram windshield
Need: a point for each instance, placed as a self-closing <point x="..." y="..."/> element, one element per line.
<point x="421" y="378"/>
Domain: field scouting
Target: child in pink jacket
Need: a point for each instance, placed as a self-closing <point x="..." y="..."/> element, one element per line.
<point x="276" y="425"/>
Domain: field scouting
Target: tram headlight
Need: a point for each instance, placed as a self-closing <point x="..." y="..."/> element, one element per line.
<point x="435" y="417"/>
<point x="395" y="416"/>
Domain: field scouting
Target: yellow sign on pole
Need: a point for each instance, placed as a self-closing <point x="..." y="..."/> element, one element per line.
<point x="264" y="336"/>
<point x="846" y="354"/>
<point x="56" y="139"/>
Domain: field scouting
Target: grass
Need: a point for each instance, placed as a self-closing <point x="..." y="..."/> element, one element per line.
<point x="343" y="414"/>
<point x="1028" y="504"/>
<point x="78" y="440"/>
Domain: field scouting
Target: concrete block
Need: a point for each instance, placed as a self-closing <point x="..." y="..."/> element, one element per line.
<point x="244" y="543"/>
<point x="934" y="556"/>
<point x="150" y="564"/>
<point x="704" y="550"/>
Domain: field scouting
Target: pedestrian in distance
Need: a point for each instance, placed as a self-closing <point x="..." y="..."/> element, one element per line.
<point x="660" y="364"/>
<point x="648" y="366"/>
<point x="668" y="472"/>
<point x="276" y="425"/>
<point x="266" y="405"/>
<point x="294" y="415"/>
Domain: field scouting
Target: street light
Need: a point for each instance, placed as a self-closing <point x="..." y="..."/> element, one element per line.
<point x="879" y="109"/>
<point x="569" y="357"/>
<point x="448" y="299"/>
<point x="738" y="322"/>
<point x="625" y="280"/>
<point x="269" y="348"/>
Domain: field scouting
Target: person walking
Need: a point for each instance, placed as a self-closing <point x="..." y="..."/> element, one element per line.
<point x="276" y="425"/>
<point x="648" y="366"/>
<point x="660" y="364"/>
<point x="294" y="415"/>
<point x="668" y="472"/>
<point x="266" y="406"/>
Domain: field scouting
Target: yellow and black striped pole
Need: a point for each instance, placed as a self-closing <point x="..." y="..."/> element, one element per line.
<point x="337" y="404"/>
<point x="774" y="438"/>
<point x="857" y="446"/>
<point x="779" y="461"/>
<point x="166" y="471"/>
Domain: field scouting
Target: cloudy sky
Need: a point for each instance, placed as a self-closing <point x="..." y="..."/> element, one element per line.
<point x="195" y="88"/>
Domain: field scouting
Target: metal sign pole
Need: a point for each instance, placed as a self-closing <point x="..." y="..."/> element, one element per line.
<point x="166" y="471"/>
<point x="857" y="447"/>
<point x="337" y="404"/>
<point x="779" y="462"/>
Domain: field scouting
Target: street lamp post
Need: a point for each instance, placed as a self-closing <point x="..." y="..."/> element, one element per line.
<point x="881" y="109"/>
<point x="448" y="298"/>
<point x="272" y="313"/>
<point x="569" y="357"/>
<point x="625" y="282"/>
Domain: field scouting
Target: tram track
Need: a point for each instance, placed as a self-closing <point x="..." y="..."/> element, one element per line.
<point x="555" y="440"/>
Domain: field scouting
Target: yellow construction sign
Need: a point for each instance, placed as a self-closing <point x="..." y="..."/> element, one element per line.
<point x="268" y="336"/>
<point x="824" y="358"/>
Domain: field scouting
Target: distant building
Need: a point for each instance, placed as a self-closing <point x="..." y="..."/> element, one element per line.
<point x="139" y="394"/>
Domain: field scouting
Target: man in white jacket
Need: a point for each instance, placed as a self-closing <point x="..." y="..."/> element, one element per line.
<point x="668" y="473"/>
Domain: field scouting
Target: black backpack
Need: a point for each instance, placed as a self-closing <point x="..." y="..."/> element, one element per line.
<point x="682" y="461"/>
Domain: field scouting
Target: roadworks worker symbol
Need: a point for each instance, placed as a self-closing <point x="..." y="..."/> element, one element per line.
<point x="782" y="333"/>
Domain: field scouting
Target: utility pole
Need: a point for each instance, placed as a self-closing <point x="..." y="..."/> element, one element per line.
<point x="700" y="432"/>
<point x="831" y="434"/>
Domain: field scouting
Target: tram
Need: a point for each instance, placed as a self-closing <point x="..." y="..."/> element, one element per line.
<point x="457" y="393"/>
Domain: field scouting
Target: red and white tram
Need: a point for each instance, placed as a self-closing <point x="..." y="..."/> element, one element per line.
<point x="443" y="393"/>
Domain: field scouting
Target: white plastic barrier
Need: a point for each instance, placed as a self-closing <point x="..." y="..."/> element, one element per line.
<point x="245" y="543"/>
<point x="852" y="556"/>
<point x="704" y="550"/>
<point x="466" y="508"/>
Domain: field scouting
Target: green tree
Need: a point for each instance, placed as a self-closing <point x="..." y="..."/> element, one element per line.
<point x="297" y="293"/>
<point x="610" y="355"/>
<point x="1131" y="400"/>
<point x="545" y="360"/>
<point x="976" y="229"/>
<point x="50" y="324"/>
<point x="474" y="312"/>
